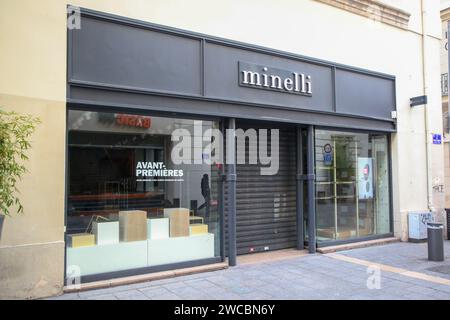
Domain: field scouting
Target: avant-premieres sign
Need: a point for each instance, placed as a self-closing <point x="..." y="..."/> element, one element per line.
<point x="267" y="78"/>
<point x="156" y="171"/>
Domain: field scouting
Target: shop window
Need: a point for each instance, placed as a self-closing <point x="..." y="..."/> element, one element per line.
<point x="130" y="205"/>
<point x="352" y="185"/>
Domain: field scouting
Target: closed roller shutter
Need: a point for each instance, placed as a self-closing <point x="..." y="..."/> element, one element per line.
<point x="266" y="205"/>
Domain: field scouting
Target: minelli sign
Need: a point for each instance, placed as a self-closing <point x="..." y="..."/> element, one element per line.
<point x="268" y="78"/>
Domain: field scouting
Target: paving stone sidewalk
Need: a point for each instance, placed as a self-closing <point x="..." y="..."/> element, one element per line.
<point x="307" y="277"/>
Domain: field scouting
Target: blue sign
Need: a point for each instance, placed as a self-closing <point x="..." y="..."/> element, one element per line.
<point x="437" y="138"/>
<point x="328" y="159"/>
<point x="327" y="155"/>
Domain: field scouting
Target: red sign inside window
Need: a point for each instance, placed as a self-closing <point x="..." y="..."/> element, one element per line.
<point x="132" y="120"/>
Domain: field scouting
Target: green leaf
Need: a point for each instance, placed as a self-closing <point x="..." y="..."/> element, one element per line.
<point x="15" y="133"/>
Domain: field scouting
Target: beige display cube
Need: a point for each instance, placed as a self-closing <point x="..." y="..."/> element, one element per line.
<point x="178" y="221"/>
<point x="132" y="225"/>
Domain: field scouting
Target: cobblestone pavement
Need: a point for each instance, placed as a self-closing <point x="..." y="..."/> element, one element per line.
<point x="307" y="277"/>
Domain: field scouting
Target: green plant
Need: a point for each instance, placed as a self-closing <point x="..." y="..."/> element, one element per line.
<point x="15" y="134"/>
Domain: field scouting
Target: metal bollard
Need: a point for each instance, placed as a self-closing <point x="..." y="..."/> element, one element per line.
<point x="435" y="241"/>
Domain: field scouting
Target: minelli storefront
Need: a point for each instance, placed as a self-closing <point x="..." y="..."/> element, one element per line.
<point x="162" y="148"/>
<point x="151" y="110"/>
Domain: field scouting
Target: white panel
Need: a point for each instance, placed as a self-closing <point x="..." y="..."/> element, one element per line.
<point x="180" y="249"/>
<point x="107" y="258"/>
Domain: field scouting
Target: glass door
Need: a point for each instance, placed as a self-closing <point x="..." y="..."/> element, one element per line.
<point x="352" y="185"/>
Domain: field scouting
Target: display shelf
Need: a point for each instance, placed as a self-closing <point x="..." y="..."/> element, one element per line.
<point x="334" y="182"/>
<point x="325" y="198"/>
<point x="139" y="254"/>
<point x="332" y="168"/>
<point x="335" y="197"/>
<point x="179" y="249"/>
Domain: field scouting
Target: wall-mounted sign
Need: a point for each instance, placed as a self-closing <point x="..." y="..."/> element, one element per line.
<point x="268" y="78"/>
<point x="417" y="101"/>
<point x="437" y="138"/>
<point x="327" y="155"/>
<point x="129" y="120"/>
<point x="365" y="178"/>
<point x="444" y="84"/>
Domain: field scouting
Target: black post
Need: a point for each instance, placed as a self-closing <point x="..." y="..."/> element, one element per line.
<point x="221" y="193"/>
<point x="311" y="193"/>
<point x="299" y="195"/>
<point x="231" y="182"/>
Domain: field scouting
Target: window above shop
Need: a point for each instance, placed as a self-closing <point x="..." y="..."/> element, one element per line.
<point x="374" y="10"/>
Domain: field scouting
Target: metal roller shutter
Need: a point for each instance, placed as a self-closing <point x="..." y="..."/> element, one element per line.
<point x="266" y="205"/>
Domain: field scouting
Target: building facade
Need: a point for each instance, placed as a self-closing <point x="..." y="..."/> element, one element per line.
<point x="143" y="104"/>
<point x="445" y="17"/>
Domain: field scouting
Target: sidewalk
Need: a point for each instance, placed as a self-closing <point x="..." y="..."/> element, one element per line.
<point x="404" y="270"/>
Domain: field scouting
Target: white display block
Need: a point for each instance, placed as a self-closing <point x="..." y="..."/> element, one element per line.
<point x="158" y="228"/>
<point x="180" y="249"/>
<point x="138" y="254"/>
<point x="107" y="258"/>
<point x="106" y="232"/>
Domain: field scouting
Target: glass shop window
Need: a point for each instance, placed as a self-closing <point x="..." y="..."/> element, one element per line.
<point x="352" y="185"/>
<point x="130" y="203"/>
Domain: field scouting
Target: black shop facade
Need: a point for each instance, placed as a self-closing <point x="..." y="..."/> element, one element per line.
<point x="155" y="118"/>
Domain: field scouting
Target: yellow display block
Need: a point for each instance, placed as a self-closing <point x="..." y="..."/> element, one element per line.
<point x="81" y="240"/>
<point x="198" y="228"/>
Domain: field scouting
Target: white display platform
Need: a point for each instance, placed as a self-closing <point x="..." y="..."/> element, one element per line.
<point x="107" y="258"/>
<point x="106" y="232"/>
<point x="138" y="254"/>
<point x="158" y="228"/>
<point x="180" y="249"/>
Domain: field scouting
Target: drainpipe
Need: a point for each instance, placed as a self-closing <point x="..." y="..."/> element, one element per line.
<point x="425" y="110"/>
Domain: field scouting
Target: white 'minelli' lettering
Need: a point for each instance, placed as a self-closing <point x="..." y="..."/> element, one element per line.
<point x="253" y="76"/>
<point x="273" y="80"/>
<point x="288" y="84"/>
<point x="295" y="82"/>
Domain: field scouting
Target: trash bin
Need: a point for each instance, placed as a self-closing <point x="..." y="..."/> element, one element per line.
<point x="435" y="241"/>
<point x="447" y="211"/>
